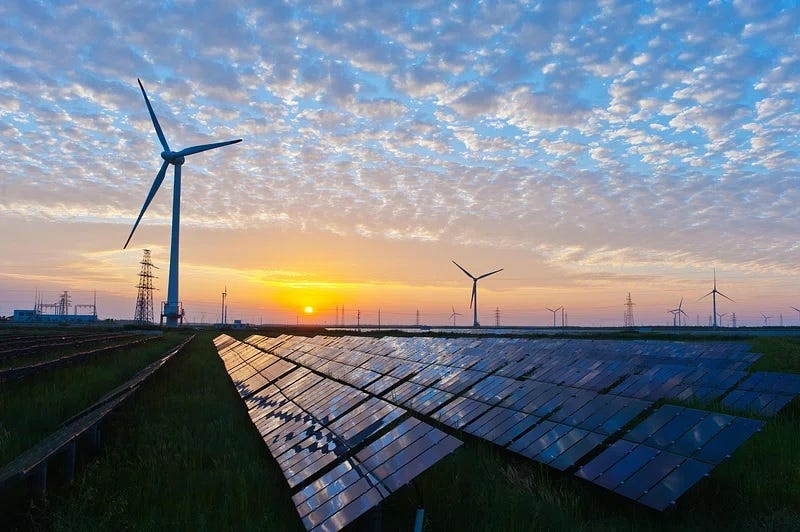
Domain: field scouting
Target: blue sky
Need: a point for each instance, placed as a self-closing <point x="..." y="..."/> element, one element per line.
<point x="589" y="148"/>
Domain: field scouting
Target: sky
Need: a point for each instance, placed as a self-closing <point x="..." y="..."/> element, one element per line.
<point x="590" y="149"/>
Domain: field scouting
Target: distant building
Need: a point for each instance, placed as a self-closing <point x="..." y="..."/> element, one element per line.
<point x="57" y="312"/>
<point x="32" y="316"/>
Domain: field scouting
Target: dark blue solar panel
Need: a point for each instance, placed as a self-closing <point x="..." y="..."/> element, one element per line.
<point x="727" y="440"/>
<point x="675" y="484"/>
<point x="649" y="475"/>
<point x="700" y="434"/>
<point x="600" y="463"/>
<point x="561" y="445"/>
<point x="539" y="438"/>
<point x="568" y="458"/>
<point x="629" y="410"/>
<point x="653" y="423"/>
<point x="666" y="436"/>
<point x="626" y="466"/>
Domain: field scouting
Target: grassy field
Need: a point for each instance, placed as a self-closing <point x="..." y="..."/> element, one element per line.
<point x="184" y="455"/>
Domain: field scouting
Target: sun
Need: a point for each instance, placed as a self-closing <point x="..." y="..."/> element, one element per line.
<point x="308" y="310"/>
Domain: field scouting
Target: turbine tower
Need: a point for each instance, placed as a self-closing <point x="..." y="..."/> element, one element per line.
<point x="713" y="295"/>
<point x="473" y="302"/>
<point x="172" y="308"/>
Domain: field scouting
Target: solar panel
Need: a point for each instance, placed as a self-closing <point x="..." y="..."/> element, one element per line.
<point x="667" y="490"/>
<point x="313" y="444"/>
<point x="539" y="398"/>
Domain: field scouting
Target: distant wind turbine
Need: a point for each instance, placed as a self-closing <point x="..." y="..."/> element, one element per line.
<point x="172" y="309"/>
<point x="676" y="313"/>
<point x="473" y="301"/>
<point x="720" y="316"/>
<point x="453" y="316"/>
<point x="713" y="295"/>
<point x="554" y="311"/>
<point x="766" y="319"/>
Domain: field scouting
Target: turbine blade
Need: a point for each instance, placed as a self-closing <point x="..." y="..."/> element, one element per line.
<point x="705" y="296"/>
<point x="205" y="147"/>
<point x="153" y="189"/>
<point x="160" y="133"/>
<point x="551" y="310"/>
<point x="490" y="273"/>
<point x="681" y="303"/>
<point x="463" y="270"/>
<point x="797" y="309"/>
<point x="726" y="297"/>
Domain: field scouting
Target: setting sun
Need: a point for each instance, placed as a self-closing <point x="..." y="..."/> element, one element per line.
<point x="308" y="310"/>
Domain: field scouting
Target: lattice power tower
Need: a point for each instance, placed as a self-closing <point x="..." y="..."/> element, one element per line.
<point x="629" y="312"/>
<point x="144" y="299"/>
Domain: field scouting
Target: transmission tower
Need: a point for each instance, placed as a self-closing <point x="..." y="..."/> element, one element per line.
<point x="628" y="322"/>
<point x="733" y="320"/>
<point x="417" y="317"/>
<point x="497" y="317"/>
<point x="144" y="299"/>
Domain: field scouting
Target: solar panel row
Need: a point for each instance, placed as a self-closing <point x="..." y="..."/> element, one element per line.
<point x="541" y="401"/>
<point x="343" y="449"/>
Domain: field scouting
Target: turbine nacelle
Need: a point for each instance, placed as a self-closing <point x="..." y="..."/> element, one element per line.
<point x="173" y="157"/>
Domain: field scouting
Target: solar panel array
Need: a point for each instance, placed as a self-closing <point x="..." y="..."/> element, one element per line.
<point x="583" y="406"/>
<point x="341" y="450"/>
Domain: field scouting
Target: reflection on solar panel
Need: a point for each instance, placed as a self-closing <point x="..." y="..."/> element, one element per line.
<point x="337" y="411"/>
<point x="341" y="449"/>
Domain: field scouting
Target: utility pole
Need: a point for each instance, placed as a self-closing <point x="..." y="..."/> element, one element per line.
<point x="379" y="319"/>
<point x="497" y="317"/>
<point x="358" y="320"/>
<point x="417" y="317"/>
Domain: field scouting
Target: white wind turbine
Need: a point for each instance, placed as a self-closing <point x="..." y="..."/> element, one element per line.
<point x="172" y="309"/>
<point x="473" y="301"/>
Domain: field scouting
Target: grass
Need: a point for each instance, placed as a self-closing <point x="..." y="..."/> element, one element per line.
<point x="183" y="454"/>
<point x="33" y="407"/>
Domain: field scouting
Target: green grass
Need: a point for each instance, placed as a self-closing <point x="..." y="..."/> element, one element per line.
<point x="33" y="407"/>
<point x="183" y="454"/>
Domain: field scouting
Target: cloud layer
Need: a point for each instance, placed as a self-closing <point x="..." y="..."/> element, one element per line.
<point x="581" y="136"/>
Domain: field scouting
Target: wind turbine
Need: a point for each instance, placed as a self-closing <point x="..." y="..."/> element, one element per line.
<point x="766" y="319"/>
<point x="713" y="295"/>
<point x="473" y="302"/>
<point x="172" y="309"/>
<point x="554" y="311"/>
<point x="453" y="316"/>
<point x="674" y="316"/>
<point x="720" y="316"/>
<point x="676" y="313"/>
